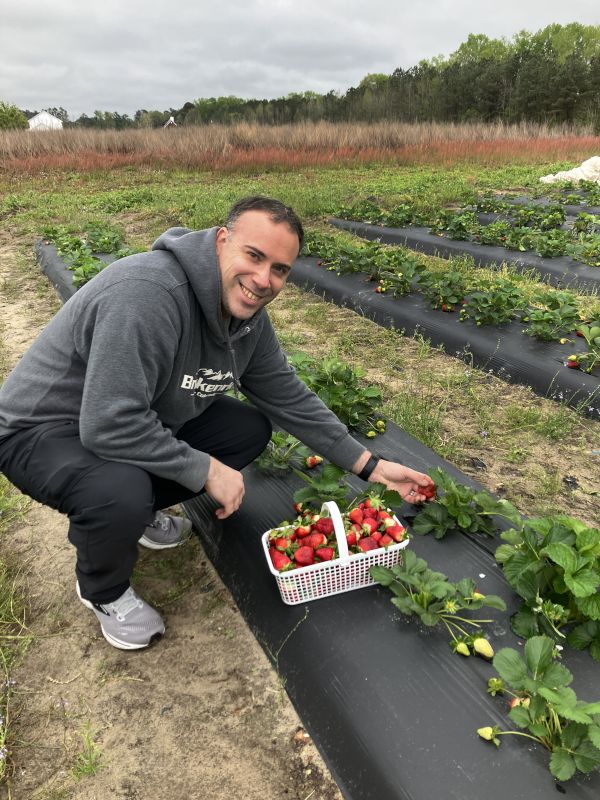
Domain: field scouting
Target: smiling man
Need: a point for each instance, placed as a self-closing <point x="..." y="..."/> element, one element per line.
<point x="120" y="408"/>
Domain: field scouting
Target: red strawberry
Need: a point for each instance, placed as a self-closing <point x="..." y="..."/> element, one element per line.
<point x="325" y="525"/>
<point x="313" y="461"/>
<point x="280" y="560"/>
<point x="325" y="553"/>
<point x="428" y="491"/>
<point x="304" y="556"/>
<point x="573" y="362"/>
<point x="281" y="543"/>
<point x="369" y="513"/>
<point x="351" y="538"/>
<point x="369" y="526"/>
<point x="302" y="530"/>
<point x="367" y="544"/>
<point x="387" y="523"/>
<point x="377" y="536"/>
<point x="385" y="541"/>
<point x="396" y="532"/>
<point x="383" y="515"/>
<point x="298" y="507"/>
<point x="356" y="515"/>
<point x="315" y="540"/>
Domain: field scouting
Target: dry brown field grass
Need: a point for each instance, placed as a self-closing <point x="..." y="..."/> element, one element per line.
<point x="250" y="146"/>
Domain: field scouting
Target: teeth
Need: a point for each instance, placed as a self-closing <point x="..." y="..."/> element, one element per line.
<point x="250" y="295"/>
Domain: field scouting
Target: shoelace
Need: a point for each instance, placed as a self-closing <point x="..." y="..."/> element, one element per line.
<point x="161" y="520"/>
<point x="126" y="603"/>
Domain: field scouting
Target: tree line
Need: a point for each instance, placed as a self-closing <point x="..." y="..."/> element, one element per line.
<point x="551" y="76"/>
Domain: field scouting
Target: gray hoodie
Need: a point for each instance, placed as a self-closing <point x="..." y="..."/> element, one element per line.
<point x="143" y="348"/>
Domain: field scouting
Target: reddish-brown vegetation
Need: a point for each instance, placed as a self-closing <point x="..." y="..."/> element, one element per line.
<point x="244" y="146"/>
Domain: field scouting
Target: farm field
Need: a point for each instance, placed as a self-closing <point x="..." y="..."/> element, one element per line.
<point x="204" y="713"/>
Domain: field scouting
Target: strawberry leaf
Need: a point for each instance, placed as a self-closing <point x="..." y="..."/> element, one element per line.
<point x="586" y="757"/>
<point x="562" y="555"/>
<point x="582" y="583"/>
<point x="590" y="606"/>
<point x="539" y="652"/>
<point x="511" y="667"/>
<point x="594" y="735"/>
<point x="562" y="765"/>
<point x="557" y="675"/>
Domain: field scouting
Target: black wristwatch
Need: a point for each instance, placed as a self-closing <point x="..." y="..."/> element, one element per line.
<point x="368" y="468"/>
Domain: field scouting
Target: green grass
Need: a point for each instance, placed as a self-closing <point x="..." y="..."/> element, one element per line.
<point x="90" y="760"/>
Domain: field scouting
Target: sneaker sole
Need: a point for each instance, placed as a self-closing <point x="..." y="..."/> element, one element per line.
<point x="118" y="643"/>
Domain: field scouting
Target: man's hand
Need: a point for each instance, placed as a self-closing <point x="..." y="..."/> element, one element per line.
<point x="404" y="480"/>
<point x="226" y="486"/>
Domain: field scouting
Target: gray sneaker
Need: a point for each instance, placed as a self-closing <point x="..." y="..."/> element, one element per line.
<point x="127" y="623"/>
<point x="166" y="531"/>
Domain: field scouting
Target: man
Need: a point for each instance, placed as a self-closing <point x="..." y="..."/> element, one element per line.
<point x="119" y="408"/>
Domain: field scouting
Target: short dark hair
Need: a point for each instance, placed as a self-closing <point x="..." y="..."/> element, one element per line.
<point x="276" y="210"/>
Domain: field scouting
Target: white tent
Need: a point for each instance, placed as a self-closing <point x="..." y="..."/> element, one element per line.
<point x="45" y="122"/>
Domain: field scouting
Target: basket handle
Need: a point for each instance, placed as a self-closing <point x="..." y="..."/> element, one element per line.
<point x="330" y="508"/>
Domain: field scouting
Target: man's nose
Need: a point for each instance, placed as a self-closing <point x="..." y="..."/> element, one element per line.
<point x="262" y="276"/>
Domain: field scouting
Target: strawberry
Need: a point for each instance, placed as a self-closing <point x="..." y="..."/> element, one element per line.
<point x="386" y="523"/>
<point x="376" y="536"/>
<point x="302" y="531"/>
<point x="369" y="513"/>
<point x="325" y="525"/>
<point x="573" y="362"/>
<point x="483" y="648"/>
<point x="315" y="540"/>
<point x="462" y="648"/>
<point x="367" y="544"/>
<point x="396" y="532"/>
<point x="356" y="515"/>
<point x="380" y="425"/>
<point x="313" y="461"/>
<point x="369" y="526"/>
<point x="447" y="307"/>
<point x="520" y="701"/>
<point x="428" y="491"/>
<point x="385" y="541"/>
<point x="281" y="543"/>
<point x="280" y="561"/>
<point x="298" y="507"/>
<point x="381" y="515"/>
<point x="304" y="556"/>
<point x="351" y="538"/>
<point x="325" y="553"/>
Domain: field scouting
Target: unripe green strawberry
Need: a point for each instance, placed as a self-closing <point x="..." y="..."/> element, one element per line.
<point x="486" y="733"/>
<point x="483" y="648"/>
<point x="462" y="648"/>
<point x="478" y="596"/>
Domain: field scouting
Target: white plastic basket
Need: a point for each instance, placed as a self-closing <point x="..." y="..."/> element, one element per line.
<point x="343" y="574"/>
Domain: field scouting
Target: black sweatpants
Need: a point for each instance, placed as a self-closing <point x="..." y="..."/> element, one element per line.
<point x="110" y="503"/>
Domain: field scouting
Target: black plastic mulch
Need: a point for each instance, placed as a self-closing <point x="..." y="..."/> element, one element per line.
<point x="563" y="272"/>
<point x="505" y="350"/>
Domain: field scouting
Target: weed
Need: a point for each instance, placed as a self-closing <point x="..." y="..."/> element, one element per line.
<point x="90" y="760"/>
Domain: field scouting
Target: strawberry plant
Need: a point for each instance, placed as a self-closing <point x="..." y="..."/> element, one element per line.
<point x="340" y="388"/>
<point x="458" y="507"/>
<point x="328" y="484"/>
<point x="459" y="225"/>
<point x="494" y="234"/>
<point x="444" y="290"/>
<point x="493" y="304"/>
<point x="557" y="313"/>
<point x="586" y="223"/>
<point x="591" y="334"/>
<point x="547" y="708"/>
<point x="436" y="601"/>
<point x="553" y="564"/>
<point x="283" y="453"/>
<point x="399" y="276"/>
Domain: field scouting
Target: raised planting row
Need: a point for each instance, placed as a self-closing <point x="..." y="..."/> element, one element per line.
<point x="394" y="291"/>
<point x="395" y="707"/>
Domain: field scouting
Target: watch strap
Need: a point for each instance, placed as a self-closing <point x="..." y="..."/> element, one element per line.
<point x="368" y="468"/>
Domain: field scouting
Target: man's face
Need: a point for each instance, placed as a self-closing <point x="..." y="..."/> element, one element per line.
<point x="254" y="259"/>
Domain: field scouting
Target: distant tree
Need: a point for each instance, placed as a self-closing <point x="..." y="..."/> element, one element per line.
<point x="12" y="117"/>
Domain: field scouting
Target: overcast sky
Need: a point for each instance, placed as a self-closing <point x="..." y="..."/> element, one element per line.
<point x="123" y="55"/>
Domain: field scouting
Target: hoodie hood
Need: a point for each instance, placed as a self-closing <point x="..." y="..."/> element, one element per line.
<point x="197" y="255"/>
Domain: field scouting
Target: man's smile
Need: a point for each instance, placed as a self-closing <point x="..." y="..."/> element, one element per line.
<point x="250" y="295"/>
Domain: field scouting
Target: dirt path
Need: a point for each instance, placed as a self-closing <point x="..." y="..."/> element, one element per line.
<point x="200" y="715"/>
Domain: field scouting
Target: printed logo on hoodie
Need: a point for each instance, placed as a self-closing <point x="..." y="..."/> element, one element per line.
<point x="207" y="382"/>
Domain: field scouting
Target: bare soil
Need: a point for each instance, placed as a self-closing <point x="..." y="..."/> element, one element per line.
<point x="201" y="714"/>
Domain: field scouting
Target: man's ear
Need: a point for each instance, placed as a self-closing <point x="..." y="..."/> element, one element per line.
<point x="221" y="237"/>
